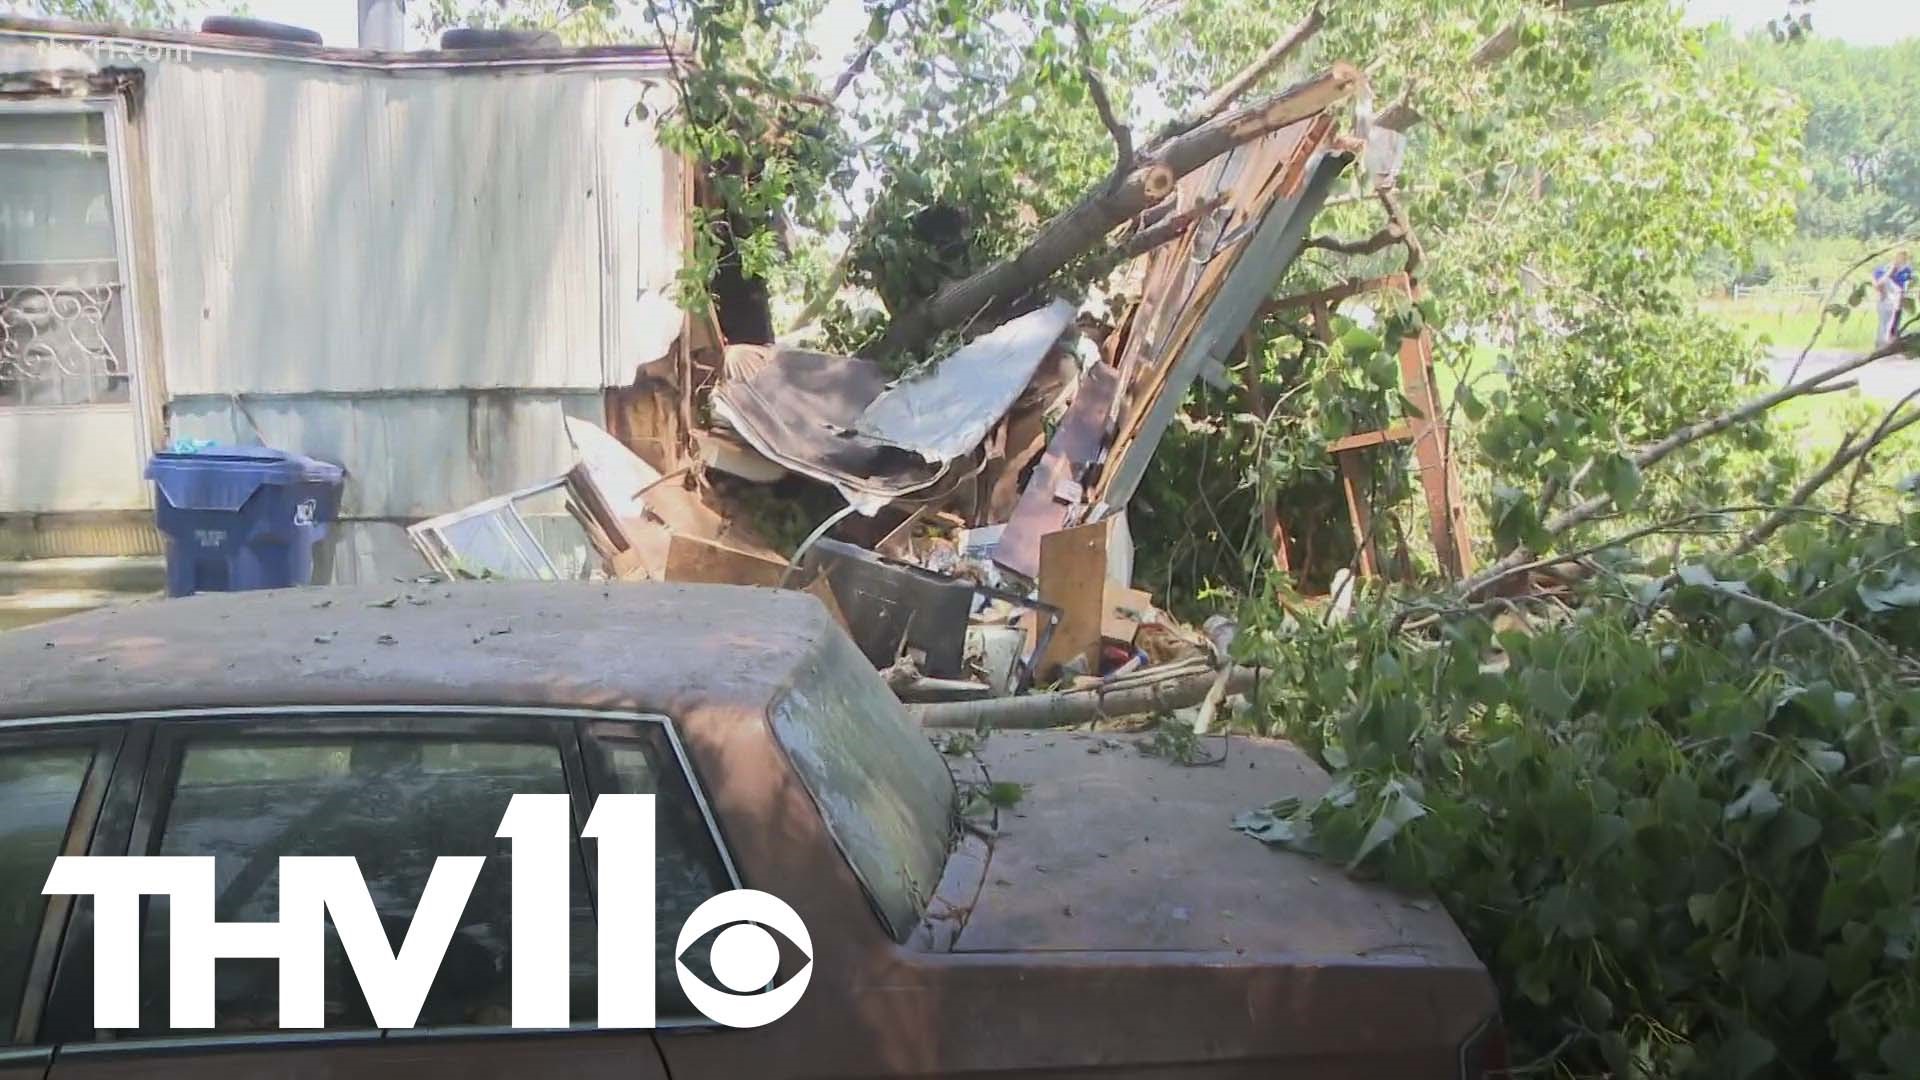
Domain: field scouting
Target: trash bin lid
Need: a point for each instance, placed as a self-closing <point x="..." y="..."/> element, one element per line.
<point x="225" y="477"/>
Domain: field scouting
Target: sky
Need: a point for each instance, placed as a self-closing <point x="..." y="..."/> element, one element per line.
<point x="1858" y="22"/>
<point x="1862" y="22"/>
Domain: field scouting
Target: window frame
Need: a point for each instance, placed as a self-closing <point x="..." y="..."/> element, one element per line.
<point x="430" y="536"/>
<point x="131" y="820"/>
<point x="82" y="822"/>
<point x="112" y="109"/>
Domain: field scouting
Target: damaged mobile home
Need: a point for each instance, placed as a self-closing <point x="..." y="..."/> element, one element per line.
<point x="242" y="240"/>
<point x="486" y="341"/>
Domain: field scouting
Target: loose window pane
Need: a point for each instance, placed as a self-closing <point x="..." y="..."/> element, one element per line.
<point x="687" y="866"/>
<point x="38" y="790"/>
<point x="495" y="544"/>
<point x="394" y="801"/>
<point x="558" y="533"/>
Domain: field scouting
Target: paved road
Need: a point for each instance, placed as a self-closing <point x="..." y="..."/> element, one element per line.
<point x="1888" y="380"/>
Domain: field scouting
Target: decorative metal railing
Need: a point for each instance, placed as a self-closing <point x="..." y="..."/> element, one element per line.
<point x="57" y="340"/>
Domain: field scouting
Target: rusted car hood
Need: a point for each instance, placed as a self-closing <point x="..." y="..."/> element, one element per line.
<point x="1110" y="849"/>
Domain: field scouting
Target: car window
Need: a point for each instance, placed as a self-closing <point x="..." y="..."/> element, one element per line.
<point x="885" y="793"/>
<point x="394" y="801"/>
<point x="39" y="788"/>
<point x="687" y="865"/>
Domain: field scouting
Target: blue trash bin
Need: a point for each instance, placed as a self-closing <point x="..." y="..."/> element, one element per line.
<point x="241" y="517"/>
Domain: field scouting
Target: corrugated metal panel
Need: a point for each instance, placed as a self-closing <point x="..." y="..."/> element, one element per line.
<point x="345" y="230"/>
<point x="408" y="456"/>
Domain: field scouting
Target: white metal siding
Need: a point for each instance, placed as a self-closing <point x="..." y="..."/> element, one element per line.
<point x="422" y="271"/>
<point x="340" y="230"/>
<point x="408" y="457"/>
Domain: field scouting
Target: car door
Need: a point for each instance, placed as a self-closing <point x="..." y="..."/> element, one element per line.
<point x="394" y="788"/>
<point x="52" y="781"/>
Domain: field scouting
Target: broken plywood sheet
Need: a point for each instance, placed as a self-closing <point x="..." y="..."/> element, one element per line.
<point x="1073" y="578"/>
<point x="692" y="559"/>
<point x="1125" y="608"/>
<point x="702" y="561"/>
<point x="946" y="411"/>
<point x="1054" y="486"/>
<point x="1247" y="282"/>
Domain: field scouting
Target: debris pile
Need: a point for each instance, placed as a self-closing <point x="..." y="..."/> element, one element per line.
<point x="983" y="548"/>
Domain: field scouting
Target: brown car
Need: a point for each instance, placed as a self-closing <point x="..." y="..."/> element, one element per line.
<point x="1109" y="924"/>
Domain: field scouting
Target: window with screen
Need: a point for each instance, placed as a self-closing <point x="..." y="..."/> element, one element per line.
<point x="63" y="338"/>
<point x="395" y="801"/>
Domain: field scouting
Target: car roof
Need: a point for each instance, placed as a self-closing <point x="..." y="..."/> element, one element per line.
<point x="641" y="647"/>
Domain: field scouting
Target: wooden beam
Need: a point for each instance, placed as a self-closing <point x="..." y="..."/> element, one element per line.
<point x="1446" y="510"/>
<point x="1353" y="478"/>
<point x="1400" y="432"/>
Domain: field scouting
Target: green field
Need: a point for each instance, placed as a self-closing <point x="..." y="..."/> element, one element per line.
<point x="1789" y="320"/>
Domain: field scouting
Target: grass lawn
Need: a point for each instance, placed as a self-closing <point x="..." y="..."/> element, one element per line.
<point x="1790" y="320"/>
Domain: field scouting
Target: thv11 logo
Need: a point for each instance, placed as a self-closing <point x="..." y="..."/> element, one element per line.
<point x="313" y="888"/>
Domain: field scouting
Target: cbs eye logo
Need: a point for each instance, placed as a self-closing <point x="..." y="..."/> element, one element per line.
<point x="744" y="958"/>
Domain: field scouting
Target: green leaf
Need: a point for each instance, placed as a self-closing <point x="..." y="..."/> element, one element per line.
<point x="1900" y="1050"/>
<point x="1757" y="802"/>
<point x="1470" y="404"/>
<point x="1359" y="341"/>
<point x="1622" y="480"/>
<point x="1898" y="851"/>
<point x="1266" y="826"/>
<point x="1545" y="693"/>
<point x="1397" y="808"/>
<point x="1900" y="592"/>
<point x="1595" y="1008"/>
<point x="1744" y="1053"/>
<point x="1005" y="793"/>
<point x="1794" y="831"/>
<point x="1613" y="1048"/>
<point x="1700" y="908"/>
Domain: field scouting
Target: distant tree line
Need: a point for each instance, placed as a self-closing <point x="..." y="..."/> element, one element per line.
<point x="1862" y="130"/>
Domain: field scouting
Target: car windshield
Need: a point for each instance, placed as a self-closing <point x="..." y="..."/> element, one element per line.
<point x="886" y="795"/>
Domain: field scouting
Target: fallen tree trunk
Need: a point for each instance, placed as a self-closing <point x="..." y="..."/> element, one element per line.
<point x="1065" y="708"/>
<point x="1082" y="227"/>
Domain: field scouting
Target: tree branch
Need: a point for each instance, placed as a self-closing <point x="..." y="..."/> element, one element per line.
<point x="1097" y="90"/>
<point x="1380" y="241"/>
<point x="1503" y="44"/>
<point x="1228" y="92"/>
<point x="1879" y="436"/>
<point x="1081" y="227"/>
<point x="1398" y="230"/>
<point x="1171" y="227"/>
<point x="1759" y="533"/>
<point x="860" y="60"/>
<point x="1691" y="433"/>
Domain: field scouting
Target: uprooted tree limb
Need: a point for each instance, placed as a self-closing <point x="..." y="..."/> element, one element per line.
<point x="1082" y="227"/>
<point x="1521" y="558"/>
<point x="1144" y="177"/>
<point x="1141" y="694"/>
